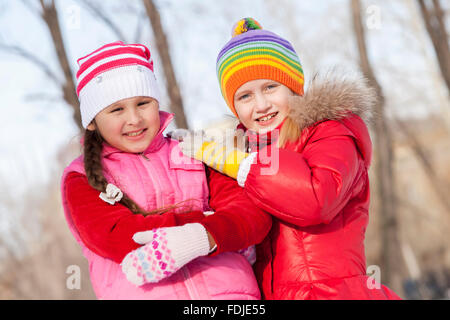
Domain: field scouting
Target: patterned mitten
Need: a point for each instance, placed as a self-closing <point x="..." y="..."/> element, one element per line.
<point x="166" y="251"/>
<point x="249" y="253"/>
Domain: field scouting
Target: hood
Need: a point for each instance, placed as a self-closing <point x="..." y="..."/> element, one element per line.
<point x="331" y="97"/>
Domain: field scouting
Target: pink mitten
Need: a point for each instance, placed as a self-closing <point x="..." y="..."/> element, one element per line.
<point x="166" y="251"/>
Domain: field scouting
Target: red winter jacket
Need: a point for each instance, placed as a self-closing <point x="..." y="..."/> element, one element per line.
<point x="319" y="200"/>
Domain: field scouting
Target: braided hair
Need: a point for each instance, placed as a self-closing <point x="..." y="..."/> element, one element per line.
<point x="93" y="146"/>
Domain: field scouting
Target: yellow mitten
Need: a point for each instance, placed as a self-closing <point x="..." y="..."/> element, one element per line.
<point x="223" y="157"/>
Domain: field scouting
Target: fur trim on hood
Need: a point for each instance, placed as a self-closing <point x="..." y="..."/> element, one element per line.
<point x="331" y="96"/>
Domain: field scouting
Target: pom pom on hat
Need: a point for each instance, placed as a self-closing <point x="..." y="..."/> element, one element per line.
<point x="244" y="25"/>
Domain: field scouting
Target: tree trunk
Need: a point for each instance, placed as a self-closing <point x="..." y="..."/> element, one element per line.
<point x="50" y="16"/>
<point x="173" y="90"/>
<point x="439" y="186"/>
<point x="435" y="25"/>
<point x="391" y="258"/>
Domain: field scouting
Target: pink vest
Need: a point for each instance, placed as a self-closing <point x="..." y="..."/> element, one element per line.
<point x="159" y="177"/>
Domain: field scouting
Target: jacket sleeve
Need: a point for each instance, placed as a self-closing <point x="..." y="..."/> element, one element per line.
<point x="108" y="229"/>
<point x="237" y="222"/>
<point x="308" y="187"/>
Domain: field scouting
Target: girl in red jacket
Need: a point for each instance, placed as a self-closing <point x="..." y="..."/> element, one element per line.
<point x="306" y="163"/>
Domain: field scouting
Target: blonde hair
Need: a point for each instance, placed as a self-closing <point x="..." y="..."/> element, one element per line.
<point x="290" y="132"/>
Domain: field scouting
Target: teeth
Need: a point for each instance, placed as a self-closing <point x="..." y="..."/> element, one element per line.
<point x="134" y="133"/>
<point x="267" y="117"/>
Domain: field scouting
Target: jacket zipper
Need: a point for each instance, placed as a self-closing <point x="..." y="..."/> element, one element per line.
<point x="190" y="286"/>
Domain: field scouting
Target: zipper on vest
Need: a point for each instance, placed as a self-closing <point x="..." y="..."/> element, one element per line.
<point x="144" y="156"/>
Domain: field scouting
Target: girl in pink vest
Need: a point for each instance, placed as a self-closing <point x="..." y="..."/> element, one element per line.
<point x="131" y="178"/>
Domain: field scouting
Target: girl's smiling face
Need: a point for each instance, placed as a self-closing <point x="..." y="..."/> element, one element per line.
<point x="129" y="124"/>
<point x="262" y="104"/>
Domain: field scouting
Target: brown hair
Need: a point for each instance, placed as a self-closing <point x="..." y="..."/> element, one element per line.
<point x="93" y="146"/>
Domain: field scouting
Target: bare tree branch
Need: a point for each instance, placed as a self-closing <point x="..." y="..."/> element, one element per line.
<point x="435" y="26"/>
<point x="99" y="13"/>
<point x="138" y="33"/>
<point x="42" y="97"/>
<point x="50" y="17"/>
<point x="34" y="10"/>
<point x="31" y="58"/>
<point x="176" y="101"/>
<point x="392" y="264"/>
<point x="437" y="184"/>
<point x="16" y="50"/>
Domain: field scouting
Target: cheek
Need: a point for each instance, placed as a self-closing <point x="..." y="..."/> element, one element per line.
<point x="244" y="114"/>
<point x="110" y="130"/>
<point x="114" y="127"/>
<point x="283" y="104"/>
<point x="153" y="123"/>
<point x="285" y="108"/>
<point x="154" y="120"/>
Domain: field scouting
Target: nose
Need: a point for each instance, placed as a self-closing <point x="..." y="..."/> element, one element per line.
<point x="262" y="104"/>
<point x="133" y="116"/>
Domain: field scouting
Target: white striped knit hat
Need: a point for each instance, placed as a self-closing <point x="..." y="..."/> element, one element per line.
<point x="111" y="73"/>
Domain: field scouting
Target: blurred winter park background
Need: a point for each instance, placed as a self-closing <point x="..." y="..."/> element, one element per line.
<point x="401" y="46"/>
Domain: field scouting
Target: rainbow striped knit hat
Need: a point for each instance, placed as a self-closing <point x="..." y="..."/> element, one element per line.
<point x="253" y="53"/>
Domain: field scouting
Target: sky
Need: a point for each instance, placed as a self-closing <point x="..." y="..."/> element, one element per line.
<point x="37" y="123"/>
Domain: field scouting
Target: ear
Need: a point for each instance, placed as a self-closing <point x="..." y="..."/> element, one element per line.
<point x="91" y="126"/>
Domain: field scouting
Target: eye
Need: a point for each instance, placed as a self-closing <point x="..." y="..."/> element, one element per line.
<point x="271" y="86"/>
<point x="244" y="96"/>
<point x="116" y="109"/>
<point x="143" y="103"/>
